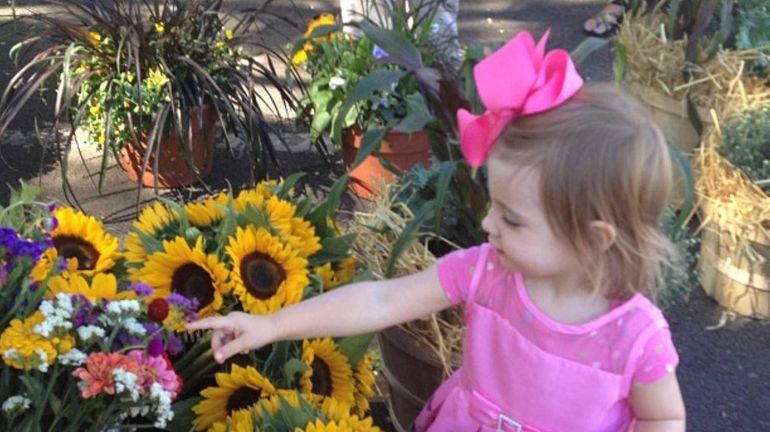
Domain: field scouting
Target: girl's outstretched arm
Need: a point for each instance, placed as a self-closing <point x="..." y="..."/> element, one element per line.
<point x="353" y="309"/>
<point x="658" y="407"/>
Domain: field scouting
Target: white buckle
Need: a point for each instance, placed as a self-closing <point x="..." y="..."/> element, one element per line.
<point x="503" y="420"/>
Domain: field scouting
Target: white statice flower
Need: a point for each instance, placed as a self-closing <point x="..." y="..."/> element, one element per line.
<point x="11" y="354"/>
<point x="58" y="315"/>
<point x="336" y="82"/>
<point x="126" y="382"/>
<point x="15" y="405"/>
<point x="87" y="332"/>
<point x="162" y="401"/>
<point x="73" y="357"/>
<point x="43" y="357"/>
<point x="134" y="327"/>
<point x="123" y="307"/>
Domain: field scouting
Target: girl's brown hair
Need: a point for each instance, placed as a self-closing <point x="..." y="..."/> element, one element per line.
<point x="601" y="157"/>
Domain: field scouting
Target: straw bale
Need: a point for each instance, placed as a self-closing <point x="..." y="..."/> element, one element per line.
<point x="655" y="61"/>
<point x="376" y="232"/>
<point x="730" y="199"/>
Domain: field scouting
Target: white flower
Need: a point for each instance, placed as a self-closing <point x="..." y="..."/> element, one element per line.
<point x="336" y="82"/>
<point x="87" y="332"/>
<point x="15" y="405"/>
<point x="73" y="357"/>
<point x="58" y="315"/>
<point x="126" y="382"/>
<point x="43" y="356"/>
<point x="132" y="326"/>
<point x="162" y="400"/>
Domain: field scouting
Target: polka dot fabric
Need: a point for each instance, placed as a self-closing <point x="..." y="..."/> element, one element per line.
<point x="631" y="340"/>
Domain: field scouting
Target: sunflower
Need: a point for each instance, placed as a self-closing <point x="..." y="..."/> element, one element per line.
<point x="23" y="348"/>
<point x="266" y="274"/>
<point x="237" y="391"/>
<point x="323" y="19"/>
<point x="333" y="410"/>
<point x="152" y="222"/>
<point x="83" y="238"/>
<point x="208" y="212"/>
<point x="103" y="286"/>
<point x="345" y="425"/>
<point x="243" y="420"/>
<point x="329" y="375"/>
<point x="186" y="271"/>
<point x="345" y="270"/>
<point x="364" y="383"/>
<point x="45" y="265"/>
<point x="255" y="197"/>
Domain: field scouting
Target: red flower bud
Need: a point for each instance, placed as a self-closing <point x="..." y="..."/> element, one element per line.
<point x="158" y="310"/>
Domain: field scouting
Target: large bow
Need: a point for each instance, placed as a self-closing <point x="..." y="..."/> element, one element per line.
<point x="516" y="80"/>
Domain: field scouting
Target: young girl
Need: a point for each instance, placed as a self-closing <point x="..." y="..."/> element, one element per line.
<point x="560" y="332"/>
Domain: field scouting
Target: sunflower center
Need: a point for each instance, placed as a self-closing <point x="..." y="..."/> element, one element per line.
<point x="192" y="281"/>
<point x="243" y="398"/>
<point x="75" y="247"/>
<point x="261" y="275"/>
<point x="321" y="378"/>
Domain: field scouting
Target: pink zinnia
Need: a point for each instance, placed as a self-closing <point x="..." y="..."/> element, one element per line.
<point x="97" y="373"/>
<point x="156" y="370"/>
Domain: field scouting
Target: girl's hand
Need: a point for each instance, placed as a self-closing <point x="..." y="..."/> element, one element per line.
<point x="235" y="333"/>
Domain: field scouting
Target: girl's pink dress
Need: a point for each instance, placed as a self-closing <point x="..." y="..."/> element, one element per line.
<point x="523" y="371"/>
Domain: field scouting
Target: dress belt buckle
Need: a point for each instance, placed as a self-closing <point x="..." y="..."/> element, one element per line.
<point x="503" y="421"/>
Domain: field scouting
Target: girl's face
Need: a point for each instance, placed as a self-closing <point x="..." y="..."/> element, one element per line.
<point x="519" y="230"/>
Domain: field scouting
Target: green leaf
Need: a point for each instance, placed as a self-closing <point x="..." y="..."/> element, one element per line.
<point x="620" y="64"/>
<point x="685" y="168"/>
<point x="397" y="45"/>
<point x="369" y="143"/>
<point x="408" y="234"/>
<point x="365" y="88"/>
<point x="417" y="115"/>
<point x="292" y="368"/>
<point x="446" y="172"/>
<point x="354" y="347"/>
<point x="183" y="414"/>
<point x="586" y="47"/>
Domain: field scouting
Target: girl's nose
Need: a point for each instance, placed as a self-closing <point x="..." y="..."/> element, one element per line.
<point x="487" y="224"/>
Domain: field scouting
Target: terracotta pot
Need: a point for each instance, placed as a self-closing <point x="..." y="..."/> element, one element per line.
<point x="173" y="168"/>
<point x="413" y="372"/>
<point x="404" y="151"/>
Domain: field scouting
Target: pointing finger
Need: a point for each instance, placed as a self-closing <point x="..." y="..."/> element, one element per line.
<point x="231" y="348"/>
<point x="213" y="323"/>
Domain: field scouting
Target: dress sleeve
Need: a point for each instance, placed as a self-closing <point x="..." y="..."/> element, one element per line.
<point x="455" y="271"/>
<point x="659" y="358"/>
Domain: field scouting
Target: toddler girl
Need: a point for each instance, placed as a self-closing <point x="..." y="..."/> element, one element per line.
<point x="561" y="334"/>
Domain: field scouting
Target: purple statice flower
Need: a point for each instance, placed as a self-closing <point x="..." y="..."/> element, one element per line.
<point x="188" y="305"/>
<point x="8" y="238"/>
<point x="379" y="53"/>
<point x="174" y="345"/>
<point x="84" y="312"/>
<point x="142" y="289"/>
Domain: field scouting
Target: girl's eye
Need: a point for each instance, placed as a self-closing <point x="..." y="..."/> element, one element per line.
<point x="510" y="223"/>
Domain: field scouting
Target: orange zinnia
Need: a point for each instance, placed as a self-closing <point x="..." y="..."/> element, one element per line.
<point x="97" y="373"/>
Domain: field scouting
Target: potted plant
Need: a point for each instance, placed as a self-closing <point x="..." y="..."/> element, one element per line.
<point x="370" y="108"/>
<point x="148" y="82"/>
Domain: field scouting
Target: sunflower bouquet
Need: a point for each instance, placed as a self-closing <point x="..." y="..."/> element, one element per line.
<point x="256" y="251"/>
<point x="81" y="351"/>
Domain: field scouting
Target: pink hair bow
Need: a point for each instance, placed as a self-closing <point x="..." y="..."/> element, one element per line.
<point x="517" y="80"/>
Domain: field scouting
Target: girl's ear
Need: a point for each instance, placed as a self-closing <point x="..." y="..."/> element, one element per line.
<point x="604" y="233"/>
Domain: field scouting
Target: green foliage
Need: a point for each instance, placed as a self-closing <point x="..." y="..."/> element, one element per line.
<point x="680" y="281"/>
<point x="746" y="144"/>
<point x="753" y="32"/>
